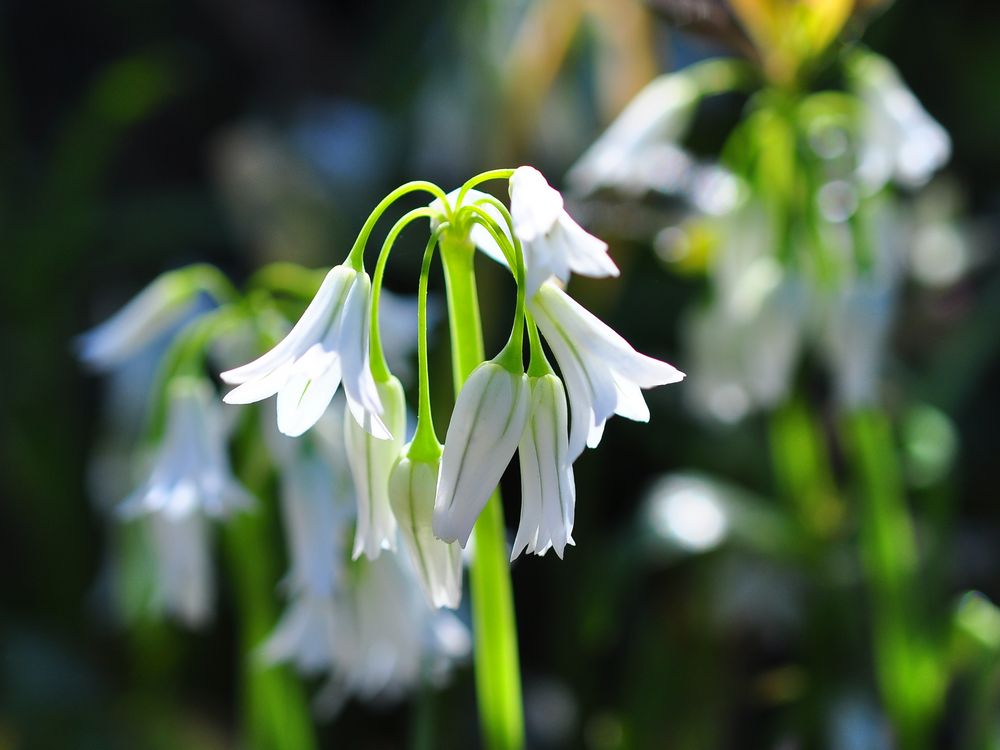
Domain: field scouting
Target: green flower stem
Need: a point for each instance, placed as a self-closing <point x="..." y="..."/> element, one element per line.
<point x="425" y="446"/>
<point x="908" y="668"/>
<point x="493" y="174"/>
<point x="274" y="709"/>
<point x="356" y="257"/>
<point x="380" y="369"/>
<point x="498" y="679"/>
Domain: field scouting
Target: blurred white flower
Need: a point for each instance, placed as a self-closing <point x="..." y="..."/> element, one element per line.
<point x="553" y="243"/>
<point x="602" y="372"/>
<point x="743" y="361"/>
<point x="327" y="344"/>
<point x="548" y="493"/>
<point x="387" y="638"/>
<point x="316" y="513"/>
<point x="191" y="471"/>
<point x="184" y="582"/>
<point x="438" y="564"/>
<point x="486" y="425"/>
<point x="304" y="636"/>
<point x="660" y="113"/>
<point x="899" y="140"/>
<point x="152" y="312"/>
<point x="371" y="460"/>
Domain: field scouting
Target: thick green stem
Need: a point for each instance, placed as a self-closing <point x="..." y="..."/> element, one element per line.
<point x="498" y="678"/>
<point x="907" y="666"/>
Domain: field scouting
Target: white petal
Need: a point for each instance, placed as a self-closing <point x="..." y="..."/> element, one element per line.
<point x="311" y="328"/>
<point x="371" y="461"/>
<point x="303" y="399"/>
<point x="148" y="315"/>
<point x="534" y="204"/>
<point x="486" y="424"/>
<point x="359" y="385"/>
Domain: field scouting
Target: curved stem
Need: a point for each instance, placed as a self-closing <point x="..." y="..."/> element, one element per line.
<point x="492" y="174"/>
<point x="380" y="370"/>
<point x="498" y="677"/>
<point x="356" y="257"/>
<point x="425" y="445"/>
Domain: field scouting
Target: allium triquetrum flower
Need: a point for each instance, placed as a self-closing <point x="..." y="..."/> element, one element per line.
<point x="603" y="373"/>
<point x="438" y="564"/>
<point x="548" y="493"/>
<point x="191" y="472"/>
<point x="553" y="243"/>
<point x="371" y="460"/>
<point x="328" y="344"/>
<point x="486" y="425"/>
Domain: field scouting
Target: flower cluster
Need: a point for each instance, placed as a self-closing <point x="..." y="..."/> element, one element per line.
<point x="367" y="611"/>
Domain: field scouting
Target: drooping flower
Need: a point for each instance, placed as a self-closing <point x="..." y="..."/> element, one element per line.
<point x="900" y="141"/>
<point x="191" y="473"/>
<point x="548" y="493"/>
<point x="150" y="314"/>
<point x="387" y="637"/>
<point x="438" y="564"/>
<point x="315" y="514"/>
<point x="304" y="636"/>
<point x="659" y="114"/>
<point x="486" y="425"/>
<point x="328" y="344"/>
<point x="603" y="373"/>
<point x="371" y="460"/>
<point x="183" y="580"/>
<point x="553" y="243"/>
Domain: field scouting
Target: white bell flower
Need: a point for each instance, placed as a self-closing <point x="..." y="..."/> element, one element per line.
<point x="553" y="243"/>
<point x="191" y="471"/>
<point x="371" y="460"/>
<point x="159" y="307"/>
<point x="315" y="514"/>
<point x="548" y="493"/>
<point x="387" y="637"/>
<point x="438" y="564"/>
<point x="304" y="636"/>
<point x="658" y="114"/>
<point x="603" y="373"/>
<point x="328" y="344"/>
<point x="184" y="583"/>
<point x="486" y="425"/>
<point x="899" y="141"/>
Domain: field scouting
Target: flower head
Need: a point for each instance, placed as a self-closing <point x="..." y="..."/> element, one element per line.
<point x="548" y="493"/>
<point x="328" y="344"/>
<point x="486" y="425"/>
<point x="553" y="243"/>
<point x="438" y="564"/>
<point x="191" y="473"/>
<point x="371" y="460"/>
<point x="603" y="373"/>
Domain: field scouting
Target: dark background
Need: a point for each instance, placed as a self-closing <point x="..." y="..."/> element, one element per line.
<point x="113" y="120"/>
